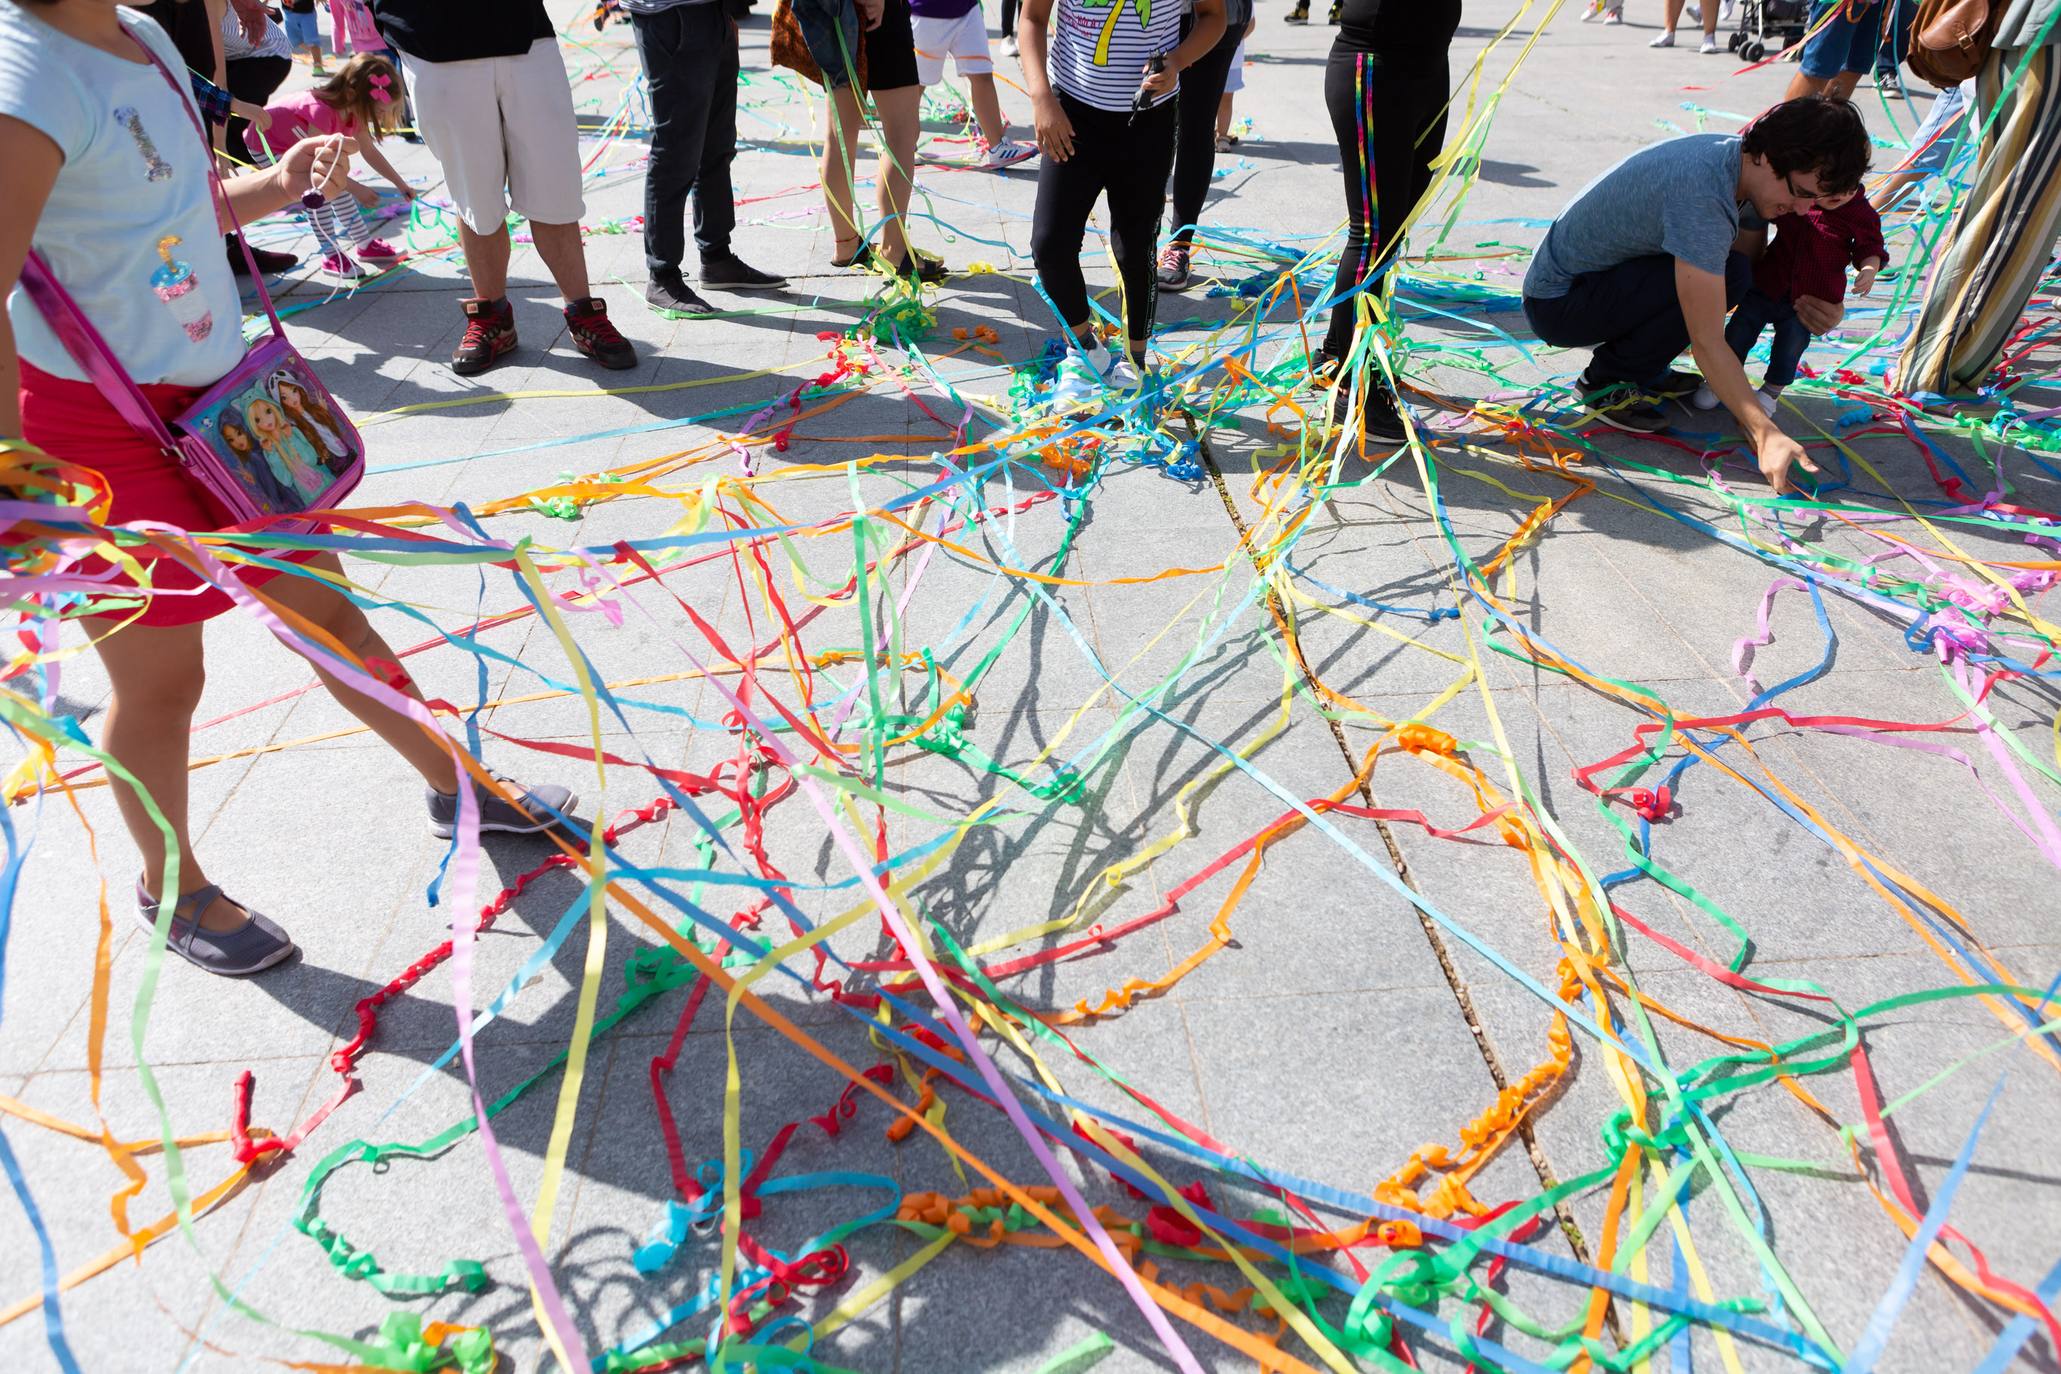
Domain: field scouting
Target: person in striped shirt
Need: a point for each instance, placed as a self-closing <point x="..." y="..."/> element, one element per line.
<point x="1102" y="94"/>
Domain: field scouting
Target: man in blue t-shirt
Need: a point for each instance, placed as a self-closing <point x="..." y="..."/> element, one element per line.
<point x="1652" y="254"/>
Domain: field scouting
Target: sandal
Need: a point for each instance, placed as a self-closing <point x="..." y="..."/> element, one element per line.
<point x="921" y="266"/>
<point x="252" y="947"/>
<point x="861" y="256"/>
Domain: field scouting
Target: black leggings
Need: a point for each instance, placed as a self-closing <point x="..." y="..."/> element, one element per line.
<point x="1195" y="155"/>
<point x="1399" y="101"/>
<point x="1009" y="18"/>
<point x="1128" y="157"/>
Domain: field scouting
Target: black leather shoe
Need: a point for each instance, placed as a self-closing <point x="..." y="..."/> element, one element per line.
<point x="732" y="273"/>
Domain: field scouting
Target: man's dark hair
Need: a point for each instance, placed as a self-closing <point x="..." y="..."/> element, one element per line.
<point x="1813" y="133"/>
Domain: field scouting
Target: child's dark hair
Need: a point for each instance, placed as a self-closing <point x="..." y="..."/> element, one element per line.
<point x="367" y="90"/>
<point x="1812" y="133"/>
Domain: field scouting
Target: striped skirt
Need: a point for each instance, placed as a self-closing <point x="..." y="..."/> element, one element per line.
<point x="2003" y="238"/>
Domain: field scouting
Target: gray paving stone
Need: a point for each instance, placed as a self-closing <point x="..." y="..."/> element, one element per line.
<point x="1332" y="1040"/>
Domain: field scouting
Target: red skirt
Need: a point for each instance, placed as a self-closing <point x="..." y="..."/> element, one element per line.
<point x="73" y="421"/>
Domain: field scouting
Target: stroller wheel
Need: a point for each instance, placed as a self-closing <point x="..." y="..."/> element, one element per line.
<point x="1753" y="52"/>
<point x="1734" y="41"/>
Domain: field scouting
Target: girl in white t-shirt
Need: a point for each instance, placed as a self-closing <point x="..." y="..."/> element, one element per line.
<point x="107" y="179"/>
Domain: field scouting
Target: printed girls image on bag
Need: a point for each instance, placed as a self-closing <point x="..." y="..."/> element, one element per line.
<point x="278" y="441"/>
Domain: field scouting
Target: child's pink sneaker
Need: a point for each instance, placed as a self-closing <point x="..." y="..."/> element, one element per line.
<point x="379" y="248"/>
<point x="340" y="266"/>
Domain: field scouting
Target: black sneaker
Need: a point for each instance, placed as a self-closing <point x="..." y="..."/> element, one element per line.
<point x="1380" y="421"/>
<point x="1299" y="15"/>
<point x="269" y="262"/>
<point x="1674" y="383"/>
<point x="595" y="335"/>
<point x="1174" y="270"/>
<point x="732" y="273"/>
<point x="669" y="294"/>
<point x="530" y="813"/>
<point x="1621" y="405"/>
<point x="489" y="336"/>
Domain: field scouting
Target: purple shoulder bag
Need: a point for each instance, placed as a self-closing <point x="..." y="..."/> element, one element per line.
<point x="267" y="439"/>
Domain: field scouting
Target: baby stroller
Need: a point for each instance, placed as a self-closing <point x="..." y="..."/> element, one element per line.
<point x="1765" y="24"/>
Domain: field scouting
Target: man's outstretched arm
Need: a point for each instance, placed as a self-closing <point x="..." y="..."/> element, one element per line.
<point x="1702" y="295"/>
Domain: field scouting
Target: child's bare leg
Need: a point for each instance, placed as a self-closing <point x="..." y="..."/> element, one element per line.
<point x="987" y="108"/>
<point x="1224" y="103"/>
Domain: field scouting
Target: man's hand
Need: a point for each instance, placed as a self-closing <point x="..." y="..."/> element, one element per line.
<point x="1055" y="130"/>
<point x="1777" y="453"/>
<point x="1819" y="317"/>
<point x="251" y="18"/>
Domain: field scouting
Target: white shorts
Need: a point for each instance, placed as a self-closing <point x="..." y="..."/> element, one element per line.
<point x="1234" y="80"/>
<point x="964" y="40"/>
<point x="504" y="131"/>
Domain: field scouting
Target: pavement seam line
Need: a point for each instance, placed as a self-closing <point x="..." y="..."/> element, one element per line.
<point x="1569" y="1227"/>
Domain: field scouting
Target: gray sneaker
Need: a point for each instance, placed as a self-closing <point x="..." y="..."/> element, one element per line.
<point x="534" y="810"/>
<point x="252" y="947"/>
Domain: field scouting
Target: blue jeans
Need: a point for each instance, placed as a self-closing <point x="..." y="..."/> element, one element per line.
<point x="1755" y="313"/>
<point x="1843" y="45"/>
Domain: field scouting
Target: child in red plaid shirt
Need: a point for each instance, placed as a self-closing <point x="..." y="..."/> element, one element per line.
<point x="1808" y="257"/>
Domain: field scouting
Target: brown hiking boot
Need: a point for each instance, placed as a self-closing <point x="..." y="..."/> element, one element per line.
<point x="489" y="336"/>
<point x="595" y="336"/>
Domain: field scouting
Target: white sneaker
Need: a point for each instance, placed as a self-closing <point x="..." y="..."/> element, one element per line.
<point x="1725" y="14"/>
<point x="1709" y="45"/>
<point x="1768" y="401"/>
<point x="1006" y="154"/>
<point x="1665" y="40"/>
<point x="1009" y="44"/>
<point x="1614" y="17"/>
<point x="1693" y="12"/>
<point x="1122" y="375"/>
<point x="1705" y="399"/>
<point x="1075" y="384"/>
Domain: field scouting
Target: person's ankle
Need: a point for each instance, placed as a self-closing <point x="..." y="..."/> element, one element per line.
<point x="191" y="880"/>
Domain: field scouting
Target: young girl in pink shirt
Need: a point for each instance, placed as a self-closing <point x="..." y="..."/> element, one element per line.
<point x="360" y="100"/>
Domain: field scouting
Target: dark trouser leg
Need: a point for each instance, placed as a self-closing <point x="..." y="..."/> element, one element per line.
<point x="1755" y="313"/>
<point x="253" y="79"/>
<point x="1389" y="117"/>
<point x="1009" y="18"/>
<point x="1791" y="339"/>
<point x="1195" y="155"/>
<point x="1631" y="313"/>
<point x="1066" y="195"/>
<point x="715" y="204"/>
<point x="680" y="72"/>
<point x="1137" y="198"/>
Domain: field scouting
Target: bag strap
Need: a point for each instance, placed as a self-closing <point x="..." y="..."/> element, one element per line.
<point x="90" y="351"/>
<point x="222" y="206"/>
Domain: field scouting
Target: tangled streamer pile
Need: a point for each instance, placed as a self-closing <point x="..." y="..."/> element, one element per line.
<point x="843" y="616"/>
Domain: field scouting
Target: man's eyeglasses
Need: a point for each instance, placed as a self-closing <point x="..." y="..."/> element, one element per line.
<point x="1814" y="195"/>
